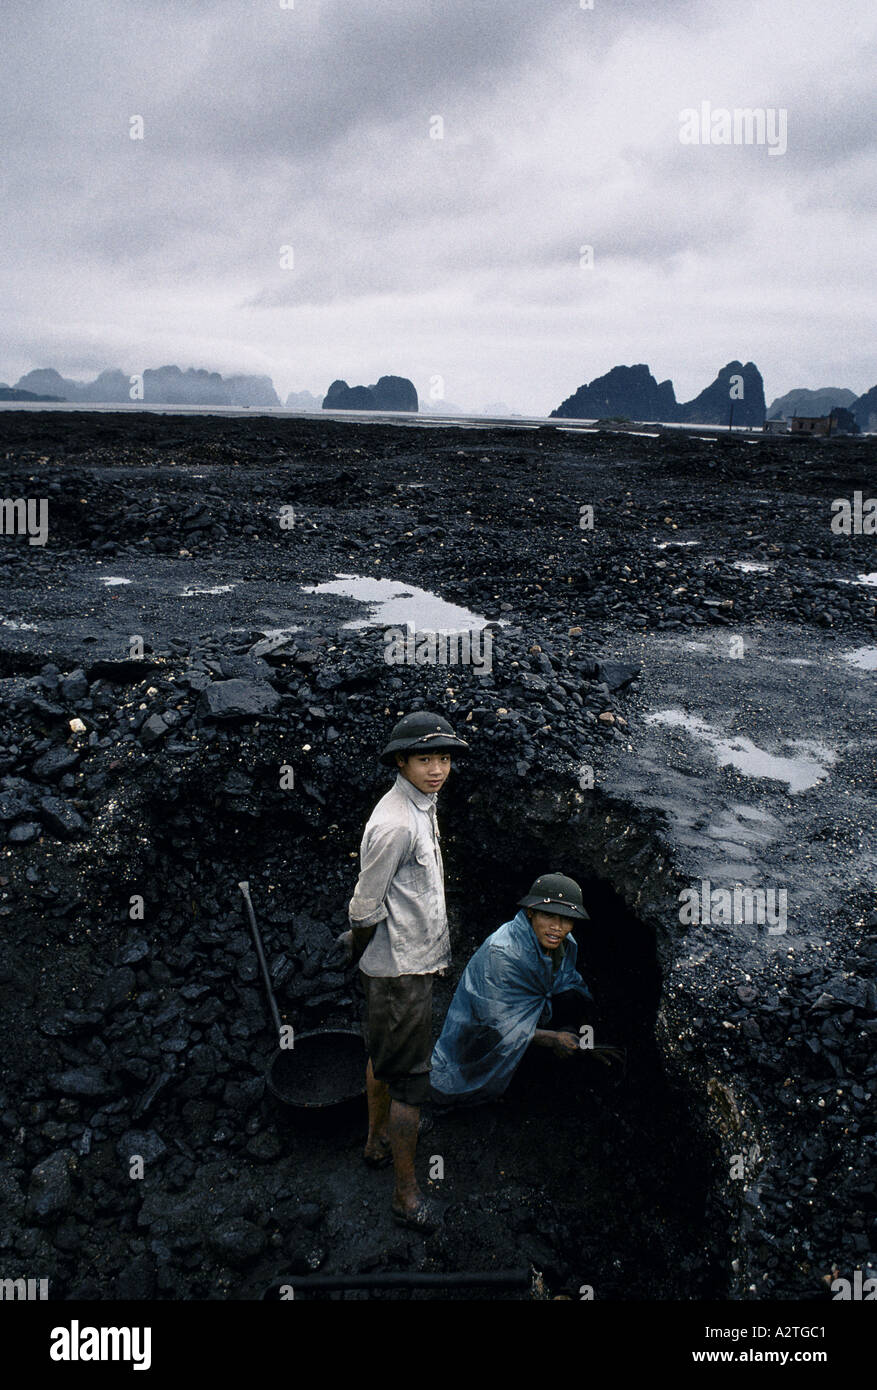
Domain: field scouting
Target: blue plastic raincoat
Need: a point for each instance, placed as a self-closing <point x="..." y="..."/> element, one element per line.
<point x="496" y="1009"/>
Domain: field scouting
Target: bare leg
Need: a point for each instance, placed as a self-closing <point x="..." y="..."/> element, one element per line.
<point x="404" y="1122"/>
<point x="378" y="1095"/>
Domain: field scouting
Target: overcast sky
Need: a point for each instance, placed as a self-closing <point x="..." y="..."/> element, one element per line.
<point x="458" y="258"/>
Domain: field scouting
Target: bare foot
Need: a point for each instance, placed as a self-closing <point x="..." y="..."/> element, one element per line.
<point x="377" y="1153"/>
<point x="418" y="1213"/>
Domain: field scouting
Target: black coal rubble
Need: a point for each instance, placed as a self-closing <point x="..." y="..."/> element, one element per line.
<point x="354" y="507"/>
<point x="156" y="1035"/>
<point x="161" y="1056"/>
<point x="540" y="696"/>
<point x="803" y="1033"/>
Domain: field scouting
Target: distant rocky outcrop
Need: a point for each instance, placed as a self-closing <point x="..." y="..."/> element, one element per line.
<point x="843" y="421"/>
<point x="430" y="407"/>
<point x="714" y="405"/>
<point x="14" y="393"/>
<point x="303" y="400"/>
<point x="110" y="387"/>
<point x="113" y="385"/>
<point x="340" y="396"/>
<point x="629" y="392"/>
<point x="389" y="393"/>
<point x="161" y="386"/>
<point x="251" y="391"/>
<point x="813" y="403"/>
<point x="171" y="386"/>
<point x="46" y="381"/>
<point x="864" y="410"/>
<point x="395" y="393"/>
<point x="632" y="393"/>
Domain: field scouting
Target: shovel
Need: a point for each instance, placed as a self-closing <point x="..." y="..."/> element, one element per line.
<point x="323" y="1066"/>
<point x="608" y="1055"/>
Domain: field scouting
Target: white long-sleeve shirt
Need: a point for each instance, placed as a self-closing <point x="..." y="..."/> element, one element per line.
<point x="401" y="886"/>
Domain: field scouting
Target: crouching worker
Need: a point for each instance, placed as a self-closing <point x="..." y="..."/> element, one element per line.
<point x="520" y="979"/>
<point x="397" y="914"/>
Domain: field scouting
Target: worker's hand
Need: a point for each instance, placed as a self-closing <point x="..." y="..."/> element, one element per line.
<point x="565" y="1044"/>
<point x="340" y="953"/>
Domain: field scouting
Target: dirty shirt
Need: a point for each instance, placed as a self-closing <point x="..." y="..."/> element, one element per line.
<point x="497" y="1008"/>
<point x="401" y="886"/>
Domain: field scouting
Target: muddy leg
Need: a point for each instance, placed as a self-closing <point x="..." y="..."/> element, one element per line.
<point x="404" y="1122"/>
<point x="378" y="1094"/>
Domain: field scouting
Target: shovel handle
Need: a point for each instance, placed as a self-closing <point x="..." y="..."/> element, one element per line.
<point x="272" y="1003"/>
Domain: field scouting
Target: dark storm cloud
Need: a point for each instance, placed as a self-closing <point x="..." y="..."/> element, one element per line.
<point x="267" y="127"/>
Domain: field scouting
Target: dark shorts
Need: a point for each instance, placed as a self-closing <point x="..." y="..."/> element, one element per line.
<point x="398" y="1033"/>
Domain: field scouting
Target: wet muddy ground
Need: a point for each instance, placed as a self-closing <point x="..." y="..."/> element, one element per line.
<point x="682" y="694"/>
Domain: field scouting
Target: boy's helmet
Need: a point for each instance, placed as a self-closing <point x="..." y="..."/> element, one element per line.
<point x="422" y="732"/>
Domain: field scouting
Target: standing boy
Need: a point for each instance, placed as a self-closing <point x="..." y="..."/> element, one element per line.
<point x="399" y="923"/>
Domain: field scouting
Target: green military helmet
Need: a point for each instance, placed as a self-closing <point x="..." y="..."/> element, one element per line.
<point x="557" y="894"/>
<point x="422" y="732"/>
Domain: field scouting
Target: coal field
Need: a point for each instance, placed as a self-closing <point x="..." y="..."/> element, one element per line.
<point x="680" y="693"/>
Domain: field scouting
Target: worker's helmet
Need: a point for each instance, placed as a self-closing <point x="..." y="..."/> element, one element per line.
<point x="557" y="894"/>
<point x="422" y="732"/>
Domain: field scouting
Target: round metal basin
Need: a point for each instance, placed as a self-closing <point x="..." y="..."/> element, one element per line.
<point x="324" y="1067"/>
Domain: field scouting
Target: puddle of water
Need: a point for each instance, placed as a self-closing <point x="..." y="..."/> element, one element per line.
<point x="111" y="579"/>
<point x="392" y="604"/>
<point x="799" y="772"/>
<point x="19" y="627"/>
<point x="662" y="545"/>
<point x="457" y="423"/>
<point x="217" y="589"/>
<point x="863" y="658"/>
<point x="752" y="813"/>
<point x="270" y="638"/>
<point x="868" y="580"/>
<point x="751" y="567"/>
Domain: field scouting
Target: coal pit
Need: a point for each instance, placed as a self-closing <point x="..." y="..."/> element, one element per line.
<point x="143" y="1156"/>
<point x="599" y="1177"/>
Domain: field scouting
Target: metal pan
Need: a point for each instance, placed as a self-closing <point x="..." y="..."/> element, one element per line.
<point x="325" y="1066"/>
